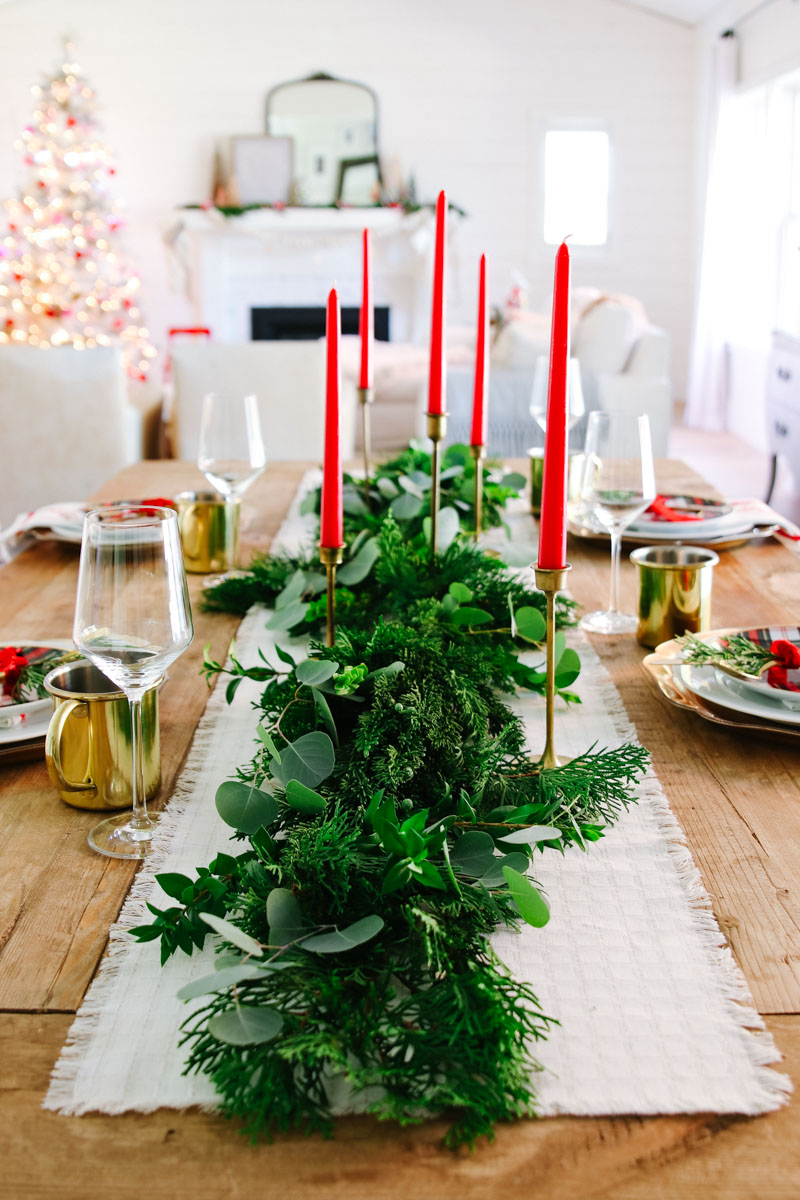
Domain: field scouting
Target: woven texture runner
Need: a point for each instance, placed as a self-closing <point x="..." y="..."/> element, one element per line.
<point x="655" y="1015"/>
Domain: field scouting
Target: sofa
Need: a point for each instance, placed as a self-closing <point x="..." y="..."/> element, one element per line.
<point x="624" y="365"/>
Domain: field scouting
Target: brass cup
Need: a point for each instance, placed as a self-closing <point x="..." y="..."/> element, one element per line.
<point x="88" y="743"/>
<point x="204" y="519"/>
<point x="574" y="475"/>
<point x="674" y="590"/>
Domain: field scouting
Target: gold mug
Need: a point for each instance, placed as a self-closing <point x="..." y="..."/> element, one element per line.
<point x="206" y="521"/>
<point x="88" y="743"/>
<point x="574" y="475"/>
<point x="674" y="589"/>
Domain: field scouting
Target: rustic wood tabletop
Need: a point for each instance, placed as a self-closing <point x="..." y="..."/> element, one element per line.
<point x="736" y="796"/>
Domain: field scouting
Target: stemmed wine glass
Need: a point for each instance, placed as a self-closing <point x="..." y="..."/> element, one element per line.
<point x="231" y="456"/>
<point x="575" y="405"/>
<point x="618" y="484"/>
<point x="132" y="619"/>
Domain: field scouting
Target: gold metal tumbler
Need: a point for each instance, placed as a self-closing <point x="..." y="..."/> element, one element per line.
<point x="574" y="474"/>
<point x="88" y="744"/>
<point x="674" y="590"/>
<point x="204" y="519"/>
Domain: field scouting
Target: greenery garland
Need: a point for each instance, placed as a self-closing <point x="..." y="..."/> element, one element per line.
<point x="385" y="826"/>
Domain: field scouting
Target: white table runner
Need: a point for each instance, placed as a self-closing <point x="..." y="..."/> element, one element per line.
<point x="655" y="1014"/>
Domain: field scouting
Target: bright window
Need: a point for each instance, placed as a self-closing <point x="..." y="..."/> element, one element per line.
<point x="576" y="187"/>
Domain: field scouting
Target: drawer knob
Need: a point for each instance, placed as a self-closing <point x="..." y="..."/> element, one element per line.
<point x="784" y="373"/>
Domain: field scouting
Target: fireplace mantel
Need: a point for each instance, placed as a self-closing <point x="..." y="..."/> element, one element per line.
<point x="294" y="256"/>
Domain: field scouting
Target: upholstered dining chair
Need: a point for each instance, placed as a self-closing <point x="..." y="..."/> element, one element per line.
<point x="65" y="424"/>
<point x="288" y="379"/>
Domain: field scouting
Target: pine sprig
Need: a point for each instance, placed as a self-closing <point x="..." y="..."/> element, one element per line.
<point x="738" y="651"/>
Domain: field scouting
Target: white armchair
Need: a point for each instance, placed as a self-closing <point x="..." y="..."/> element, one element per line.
<point x="66" y="422"/>
<point x="288" y="379"/>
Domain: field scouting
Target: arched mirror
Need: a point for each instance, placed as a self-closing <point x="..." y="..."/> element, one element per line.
<point x="333" y="124"/>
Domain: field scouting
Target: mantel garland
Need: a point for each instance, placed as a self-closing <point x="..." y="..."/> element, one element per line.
<point x="385" y="828"/>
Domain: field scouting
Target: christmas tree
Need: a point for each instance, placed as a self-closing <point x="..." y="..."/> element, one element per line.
<point x="62" y="279"/>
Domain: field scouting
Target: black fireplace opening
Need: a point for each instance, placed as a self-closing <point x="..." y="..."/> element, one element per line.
<point x="280" y="324"/>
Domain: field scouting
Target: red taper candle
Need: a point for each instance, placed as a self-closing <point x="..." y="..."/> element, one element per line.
<point x="366" y="320"/>
<point x="553" y="524"/>
<point x="331" y="532"/>
<point x="481" y="394"/>
<point x="436" y="379"/>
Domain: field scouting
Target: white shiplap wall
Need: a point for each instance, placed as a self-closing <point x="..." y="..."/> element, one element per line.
<point x="466" y="89"/>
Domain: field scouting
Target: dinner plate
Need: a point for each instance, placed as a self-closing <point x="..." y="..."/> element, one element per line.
<point x="583" y="526"/>
<point x="34" y="726"/>
<point x="17" y="718"/>
<point x="712" y="686"/>
<point x="663" y="666"/>
<point x="710" y="517"/>
<point x="789" y="696"/>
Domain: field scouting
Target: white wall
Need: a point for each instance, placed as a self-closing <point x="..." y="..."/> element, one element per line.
<point x="466" y="90"/>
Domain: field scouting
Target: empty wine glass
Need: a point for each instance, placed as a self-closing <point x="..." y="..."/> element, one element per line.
<point x="132" y="619"/>
<point x="231" y="456"/>
<point x="618" y="484"/>
<point x="575" y="405"/>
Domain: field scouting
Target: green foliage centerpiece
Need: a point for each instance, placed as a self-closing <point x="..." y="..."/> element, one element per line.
<point x="389" y="822"/>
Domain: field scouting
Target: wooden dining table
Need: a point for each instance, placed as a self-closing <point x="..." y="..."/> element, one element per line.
<point x="736" y="795"/>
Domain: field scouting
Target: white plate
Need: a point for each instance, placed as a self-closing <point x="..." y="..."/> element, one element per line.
<point x="706" y="528"/>
<point x="33" y="726"/>
<point x="725" y="692"/>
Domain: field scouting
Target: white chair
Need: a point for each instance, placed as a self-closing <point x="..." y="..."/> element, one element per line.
<point x="65" y="424"/>
<point x="287" y="377"/>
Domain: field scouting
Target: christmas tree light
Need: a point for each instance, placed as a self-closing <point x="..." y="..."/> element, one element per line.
<point x="63" y="280"/>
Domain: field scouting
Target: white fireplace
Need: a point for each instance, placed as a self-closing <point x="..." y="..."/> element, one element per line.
<point x="268" y="258"/>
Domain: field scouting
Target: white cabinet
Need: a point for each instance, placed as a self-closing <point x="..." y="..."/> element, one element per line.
<point x="783" y="404"/>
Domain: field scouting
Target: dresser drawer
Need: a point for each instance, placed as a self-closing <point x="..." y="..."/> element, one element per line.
<point x="783" y="432"/>
<point x="783" y="378"/>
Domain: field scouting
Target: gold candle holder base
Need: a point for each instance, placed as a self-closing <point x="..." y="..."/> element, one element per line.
<point x="479" y="454"/>
<point x="437" y="428"/>
<point x="551" y="581"/>
<point x="331" y="557"/>
<point x="365" y="398"/>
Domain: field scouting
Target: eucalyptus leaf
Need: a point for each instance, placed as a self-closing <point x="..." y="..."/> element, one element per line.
<point x="284" y="917"/>
<point x="528" y="899"/>
<point x="232" y="933"/>
<point x="460" y="592"/>
<point x="326" y="716"/>
<point x="494" y="877"/>
<point x="410" y="485"/>
<point x="314" y="671"/>
<point x="219" y="980"/>
<point x="308" y="504"/>
<point x="387" y="488"/>
<point x="244" y="807"/>
<point x="341" y="940"/>
<point x="352" y="502"/>
<point x="406" y="507"/>
<point x="532" y="835"/>
<point x="530" y="624"/>
<point x="284" y="619"/>
<point x="449" y="528"/>
<point x="471" y="616"/>
<point x="268" y="741"/>
<point x="293" y="590"/>
<point x="473" y="853"/>
<point x="568" y="668"/>
<point x="359" y="567"/>
<point x="309" y="759"/>
<point x="173" y="883"/>
<point x="246" y="1025"/>
<point x="303" y="799"/>
<point x="514" y="481"/>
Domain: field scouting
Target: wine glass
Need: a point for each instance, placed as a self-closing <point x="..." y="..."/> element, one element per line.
<point x="618" y="484"/>
<point x="231" y="456"/>
<point x="575" y="405"/>
<point x="132" y="619"/>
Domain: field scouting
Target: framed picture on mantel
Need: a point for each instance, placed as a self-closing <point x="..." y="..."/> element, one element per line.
<point x="260" y="169"/>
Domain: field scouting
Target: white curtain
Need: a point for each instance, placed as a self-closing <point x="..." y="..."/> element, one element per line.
<point x="707" y="385"/>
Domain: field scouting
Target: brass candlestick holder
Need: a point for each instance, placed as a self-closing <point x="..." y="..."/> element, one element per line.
<point x="331" y="557"/>
<point x="365" y="397"/>
<point x="479" y="454"/>
<point x="551" y="581"/>
<point x="437" y="428"/>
